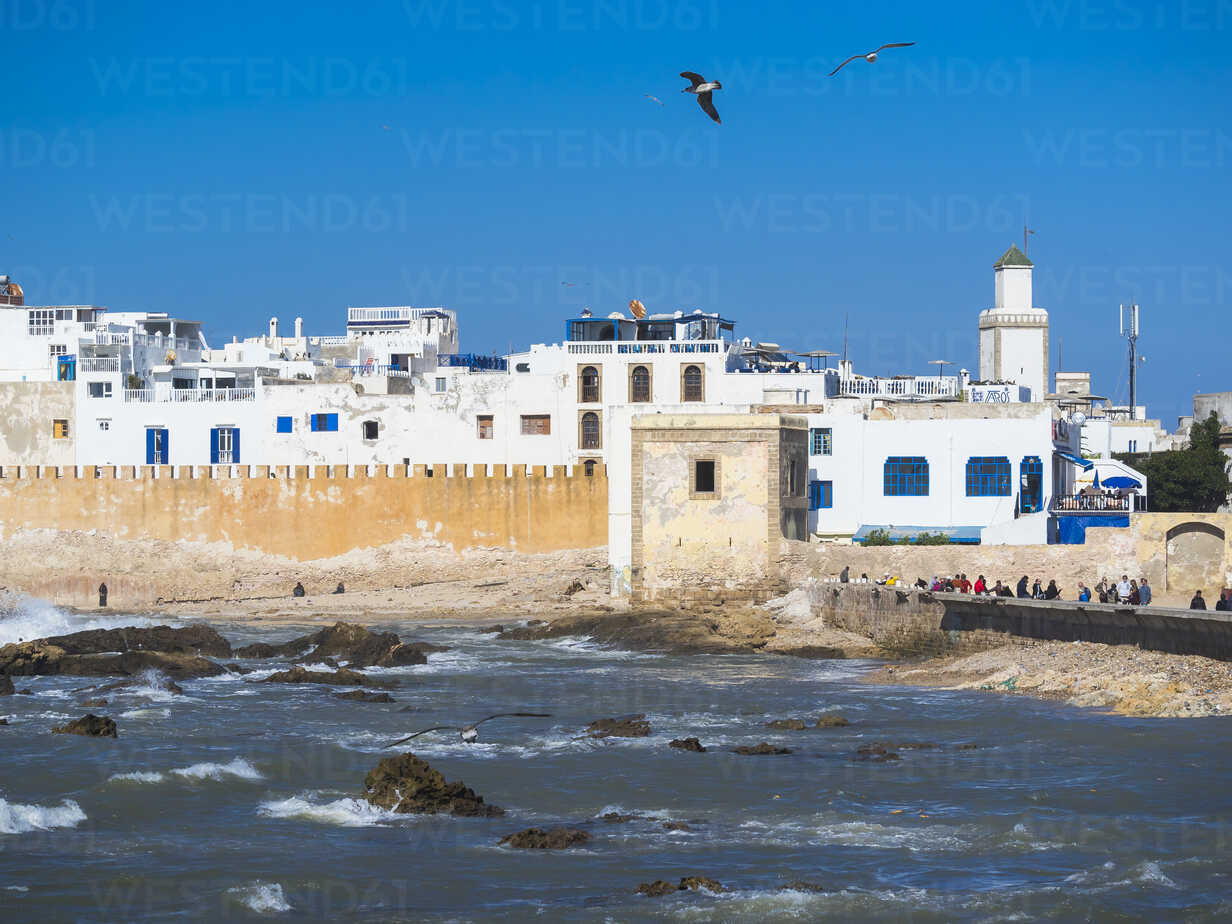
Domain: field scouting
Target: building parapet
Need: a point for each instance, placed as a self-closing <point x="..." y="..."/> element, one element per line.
<point x="187" y="395"/>
<point x="901" y="387"/>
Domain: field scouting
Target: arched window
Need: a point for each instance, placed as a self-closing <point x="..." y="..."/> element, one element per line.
<point x="590" y="430"/>
<point x="691" y="387"/>
<point x="988" y="476"/>
<point x="590" y="385"/>
<point x="640" y="384"/>
<point x="589" y="465"/>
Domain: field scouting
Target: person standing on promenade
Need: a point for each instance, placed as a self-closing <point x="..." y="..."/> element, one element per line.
<point x="980" y="586"/>
<point x="1022" y="587"/>
<point x="1144" y="593"/>
<point x="845" y="575"/>
<point x="1084" y="593"/>
<point x="1101" y="590"/>
<point x="1223" y="600"/>
<point x="966" y="585"/>
<point x="1135" y="598"/>
<point x="1123" y="589"/>
<point x="102" y="596"/>
<point x="1197" y="603"/>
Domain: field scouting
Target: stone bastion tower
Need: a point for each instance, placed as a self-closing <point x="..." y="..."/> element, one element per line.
<point x="1014" y="333"/>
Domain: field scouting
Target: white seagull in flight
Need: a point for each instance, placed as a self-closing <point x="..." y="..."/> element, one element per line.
<point x="702" y="89"/>
<point x="872" y="55"/>
<point x="468" y="733"/>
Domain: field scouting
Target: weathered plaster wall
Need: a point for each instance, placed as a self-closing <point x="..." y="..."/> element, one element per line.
<point x="27" y="410"/>
<point x="315" y="512"/>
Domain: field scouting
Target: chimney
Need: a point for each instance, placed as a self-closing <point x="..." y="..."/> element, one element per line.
<point x="273" y="328"/>
<point x="299" y="328"/>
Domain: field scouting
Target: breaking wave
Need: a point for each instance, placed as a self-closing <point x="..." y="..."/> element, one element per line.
<point x="347" y="813"/>
<point x="238" y="768"/>
<point x="261" y="897"/>
<point x="16" y="818"/>
<point x="23" y="618"/>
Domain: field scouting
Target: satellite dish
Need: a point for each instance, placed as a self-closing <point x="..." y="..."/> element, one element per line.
<point x="637" y="309"/>
<point x="1078" y="419"/>
<point x="171" y="356"/>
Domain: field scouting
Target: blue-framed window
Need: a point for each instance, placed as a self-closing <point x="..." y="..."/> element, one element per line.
<point x="906" y="476"/>
<point x="988" y="476"/>
<point x="821" y="495"/>
<point x="1031" y="479"/>
<point x="821" y="441"/>
<point x="157" y="446"/>
<point x="225" y="446"/>
<point x="284" y="425"/>
<point x="324" y="423"/>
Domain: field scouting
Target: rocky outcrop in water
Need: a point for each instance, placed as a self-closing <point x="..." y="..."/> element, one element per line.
<point x="687" y="744"/>
<point x="757" y="750"/>
<point x="342" y="677"/>
<point x="94" y="703"/>
<point x="407" y="785"/>
<point x="551" y="839"/>
<point x="826" y="721"/>
<point x="124" y="652"/>
<point x="876" y="753"/>
<point x="6" y="685"/>
<point x="801" y="885"/>
<point x="357" y="645"/>
<point x="363" y="696"/>
<point x="676" y="826"/>
<point x="89" y="725"/>
<point x="616" y="818"/>
<point x="662" y="887"/>
<point x="676" y="633"/>
<point x="629" y="726"/>
<point x="195" y="639"/>
<point x="657" y="888"/>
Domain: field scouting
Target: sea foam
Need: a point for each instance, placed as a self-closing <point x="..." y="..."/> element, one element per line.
<point x="347" y="813"/>
<point x="16" y="818"/>
<point x="261" y="897"/>
<point x="24" y="618"/>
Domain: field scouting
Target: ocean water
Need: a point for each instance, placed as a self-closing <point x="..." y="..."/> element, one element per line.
<point x="241" y="800"/>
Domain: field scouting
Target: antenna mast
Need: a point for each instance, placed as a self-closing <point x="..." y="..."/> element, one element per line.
<point x="1129" y="330"/>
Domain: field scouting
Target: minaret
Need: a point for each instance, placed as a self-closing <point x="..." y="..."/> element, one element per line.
<point x="1014" y="333"/>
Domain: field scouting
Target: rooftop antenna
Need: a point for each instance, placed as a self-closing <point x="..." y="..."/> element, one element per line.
<point x="1025" y="233"/>
<point x="1129" y="330"/>
<point x="845" y="316"/>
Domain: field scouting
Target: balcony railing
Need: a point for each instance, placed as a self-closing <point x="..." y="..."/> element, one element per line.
<point x="907" y="387"/>
<point x="188" y="395"/>
<point x="98" y="364"/>
<point x="1096" y="503"/>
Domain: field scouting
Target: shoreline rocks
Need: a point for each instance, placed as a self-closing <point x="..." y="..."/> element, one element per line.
<point x="90" y="726"/>
<point x="661" y="887"/>
<point x="629" y="726"/>
<point x="670" y="632"/>
<point x="342" y="677"/>
<point x="687" y="744"/>
<point x="364" y="696"/>
<point x="408" y="785"/>
<point x="758" y="750"/>
<point x="550" y="839"/>
<point x="826" y="721"/>
<point x="358" y="645"/>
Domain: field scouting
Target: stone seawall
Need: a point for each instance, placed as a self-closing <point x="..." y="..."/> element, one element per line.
<point x="921" y="623"/>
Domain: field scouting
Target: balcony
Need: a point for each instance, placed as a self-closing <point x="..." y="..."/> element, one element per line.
<point x="900" y="387"/>
<point x="98" y="364"/>
<point x="1097" y="503"/>
<point x="188" y="395"/>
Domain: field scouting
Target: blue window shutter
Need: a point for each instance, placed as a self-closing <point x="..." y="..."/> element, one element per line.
<point x="284" y="425"/>
<point x="214" y="446"/>
<point x="149" y="447"/>
<point x="313" y="422"/>
<point x="166" y="434"/>
<point x="331" y="422"/>
<point x="235" y="445"/>
<point x="827" y="494"/>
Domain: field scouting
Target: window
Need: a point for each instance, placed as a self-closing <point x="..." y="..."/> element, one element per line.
<point x="370" y="429"/>
<point x="691" y="387"/>
<point x="40" y="322"/>
<point x="56" y="349"/>
<point x="484" y="424"/>
<point x="99" y="389"/>
<point x="324" y="423"/>
<point x="536" y="424"/>
<point x="225" y="446"/>
<point x="821" y="495"/>
<point x="590" y="431"/>
<point x="589" y="379"/>
<point x="1031" y="490"/>
<point x="440" y="384"/>
<point x="821" y="441"/>
<point x="639" y="385"/>
<point x="104" y="425"/>
<point x="793" y="477"/>
<point x="284" y="425"/>
<point x="1133" y="445"/>
<point x="59" y="429"/>
<point x="988" y="476"/>
<point x="156" y="446"/>
<point x="704" y="478"/>
<point x="906" y="476"/>
<point x="589" y="467"/>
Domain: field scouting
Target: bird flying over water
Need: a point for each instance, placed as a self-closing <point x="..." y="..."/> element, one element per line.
<point x="872" y="55"/>
<point x="702" y="89"/>
<point x="468" y="733"/>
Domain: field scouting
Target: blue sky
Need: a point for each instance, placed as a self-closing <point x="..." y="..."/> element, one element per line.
<point x="228" y="162"/>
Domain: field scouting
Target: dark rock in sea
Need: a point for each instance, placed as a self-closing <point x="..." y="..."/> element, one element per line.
<point x="801" y="885"/>
<point x="90" y="725"/>
<point x="4" y="721"/>
<point x="100" y="701"/>
<point x="342" y="678"/>
<point x="876" y="753"/>
<point x="673" y="632"/>
<point x="407" y="785"/>
<point x="104" y="652"/>
<point x="629" y="726"/>
<point x="812" y="652"/>
<point x="759" y="749"/>
<point x="687" y="744"/>
<point x="237" y="669"/>
<point x="196" y="640"/>
<point x="787" y="724"/>
<point x="831" y="720"/>
<point x="131" y="663"/>
<point x="551" y="839"/>
<point x="357" y="645"/>
<point x="693" y="883"/>
<point x="364" y="696"/>
<point x="491" y="630"/>
<point x="969" y="746"/>
<point x="676" y="826"/>
<point x="615" y="818"/>
<point x="6" y="685"/>
<point x="656" y="888"/>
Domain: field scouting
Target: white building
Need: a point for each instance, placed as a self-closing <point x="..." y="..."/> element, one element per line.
<point x="1014" y="333"/>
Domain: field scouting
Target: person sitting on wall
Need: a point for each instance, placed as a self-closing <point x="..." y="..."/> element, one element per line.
<point x="339" y="589"/>
<point x="102" y="596"/>
<point x="1144" y="592"/>
<point x="937" y="585"/>
<point x="1005" y="591"/>
<point x="1123" y="589"/>
<point x="844" y="575"/>
<point x="996" y="589"/>
<point x="1224" y="603"/>
<point x="1084" y="593"/>
<point x="1101" y="590"/>
<point x="299" y="590"/>
<point x="1197" y="603"/>
<point x="1022" y="587"/>
<point x="921" y="583"/>
<point x="965" y="585"/>
<point x="1135" y="596"/>
<point x="980" y="586"/>
<point x="1037" y="590"/>
<point x="1053" y="592"/>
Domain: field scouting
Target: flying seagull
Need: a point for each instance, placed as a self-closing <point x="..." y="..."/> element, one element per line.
<point x="468" y="733"/>
<point x="872" y="55"/>
<point x="655" y="98"/>
<point x="702" y="88"/>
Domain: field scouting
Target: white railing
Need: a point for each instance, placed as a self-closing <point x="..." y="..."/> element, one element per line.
<point x="188" y="395"/>
<point x="395" y="314"/>
<point x="590" y="348"/>
<point x="330" y="341"/>
<point x="107" y="338"/>
<point x="906" y="387"/>
<point x="98" y="364"/>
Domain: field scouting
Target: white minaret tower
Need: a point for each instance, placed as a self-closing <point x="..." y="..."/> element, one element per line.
<point x="1014" y="333"/>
